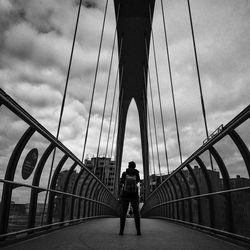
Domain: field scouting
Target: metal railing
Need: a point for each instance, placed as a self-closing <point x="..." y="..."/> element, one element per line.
<point x="215" y="196"/>
<point x="31" y="201"/>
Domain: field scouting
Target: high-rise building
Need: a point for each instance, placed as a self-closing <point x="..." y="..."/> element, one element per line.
<point x="104" y="169"/>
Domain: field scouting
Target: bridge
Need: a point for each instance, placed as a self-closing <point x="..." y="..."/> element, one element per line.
<point x="55" y="196"/>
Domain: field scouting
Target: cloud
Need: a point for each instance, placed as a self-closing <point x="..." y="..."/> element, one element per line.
<point x="35" y="45"/>
<point x="5" y="6"/>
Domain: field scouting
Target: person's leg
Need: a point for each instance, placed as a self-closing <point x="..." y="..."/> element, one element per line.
<point x="125" y="203"/>
<point x="135" y="206"/>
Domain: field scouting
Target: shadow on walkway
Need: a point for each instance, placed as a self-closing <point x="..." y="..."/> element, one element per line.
<point x="103" y="234"/>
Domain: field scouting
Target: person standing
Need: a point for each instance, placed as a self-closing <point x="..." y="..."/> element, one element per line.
<point x="129" y="194"/>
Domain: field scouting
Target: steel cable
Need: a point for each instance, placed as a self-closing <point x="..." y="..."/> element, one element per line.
<point x="116" y="80"/>
<point x="112" y="112"/>
<point x="199" y="79"/>
<point x="118" y="110"/>
<point x="113" y="136"/>
<point x="94" y="85"/>
<point x="159" y="96"/>
<point x="198" y="70"/>
<point x="63" y="103"/>
<point x="105" y="103"/>
<point x="111" y="117"/>
<point x="154" y="123"/>
<point x="114" y="95"/>
<point x="153" y="112"/>
<point x="151" y="141"/>
<point x="171" y="83"/>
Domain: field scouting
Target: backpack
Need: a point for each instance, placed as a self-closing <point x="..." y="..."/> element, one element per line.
<point x="130" y="184"/>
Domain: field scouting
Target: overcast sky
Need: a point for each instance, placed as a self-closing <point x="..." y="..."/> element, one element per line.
<point x="35" y="43"/>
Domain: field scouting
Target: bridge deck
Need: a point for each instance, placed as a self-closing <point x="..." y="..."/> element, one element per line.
<point x="103" y="234"/>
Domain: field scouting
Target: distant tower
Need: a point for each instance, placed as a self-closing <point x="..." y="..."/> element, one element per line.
<point x="133" y="32"/>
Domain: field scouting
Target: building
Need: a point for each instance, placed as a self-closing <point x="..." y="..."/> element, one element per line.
<point x="104" y="169"/>
<point x="241" y="205"/>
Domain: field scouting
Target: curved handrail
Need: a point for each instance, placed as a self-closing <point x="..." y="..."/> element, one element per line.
<point x="218" y="206"/>
<point x="99" y="207"/>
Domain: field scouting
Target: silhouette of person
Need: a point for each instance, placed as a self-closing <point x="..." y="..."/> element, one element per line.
<point x="129" y="194"/>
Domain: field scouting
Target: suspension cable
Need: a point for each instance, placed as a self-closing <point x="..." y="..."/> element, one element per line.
<point x="159" y="95"/>
<point x="198" y="70"/>
<point x="111" y="117"/>
<point x="110" y="120"/>
<point x="118" y="109"/>
<point x="112" y="112"/>
<point x="113" y="136"/>
<point x="156" y="139"/>
<point x="145" y="128"/>
<point x="154" y="123"/>
<point x="105" y="103"/>
<point x="94" y="85"/>
<point x="114" y="95"/>
<point x="152" y="150"/>
<point x="63" y="103"/>
<point x="199" y="79"/>
<point x="171" y="82"/>
<point x="151" y="143"/>
<point x="148" y="125"/>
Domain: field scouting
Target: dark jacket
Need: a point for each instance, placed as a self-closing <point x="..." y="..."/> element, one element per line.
<point x="130" y="171"/>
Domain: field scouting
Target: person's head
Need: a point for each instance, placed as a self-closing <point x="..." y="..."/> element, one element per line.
<point x="131" y="164"/>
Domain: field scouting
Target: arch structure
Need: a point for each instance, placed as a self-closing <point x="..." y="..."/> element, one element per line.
<point x="212" y="199"/>
<point x="133" y="34"/>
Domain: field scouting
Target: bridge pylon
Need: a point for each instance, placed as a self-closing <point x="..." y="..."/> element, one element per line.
<point x="133" y="34"/>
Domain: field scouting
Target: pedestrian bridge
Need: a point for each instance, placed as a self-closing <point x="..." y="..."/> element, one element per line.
<point x="203" y="203"/>
<point x="191" y="198"/>
<point x="102" y="234"/>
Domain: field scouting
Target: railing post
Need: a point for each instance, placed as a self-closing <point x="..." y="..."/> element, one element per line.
<point x="86" y="194"/>
<point x="176" y="197"/>
<point x="51" y="199"/>
<point x="242" y="148"/>
<point x="226" y="181"/>
<point x="80" y="194"/>
<point x="197" y="188"/>
<point x="9" y="176"/>
<point x="65" y="186"/>
<point x="190" y="210"/>
<point x="35" y="182"/>
<point x="182" y="196"/>
<point x="210" y="190"/>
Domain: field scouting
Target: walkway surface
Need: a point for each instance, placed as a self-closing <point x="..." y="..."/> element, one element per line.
<point x="103" y="234"/>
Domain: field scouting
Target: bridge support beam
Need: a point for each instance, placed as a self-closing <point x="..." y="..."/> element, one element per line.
<point x="133" y="34"/>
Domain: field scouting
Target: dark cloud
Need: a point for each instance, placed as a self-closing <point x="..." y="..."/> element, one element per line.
<point x="93" y="4"/>
<point x="89" y="4"/>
